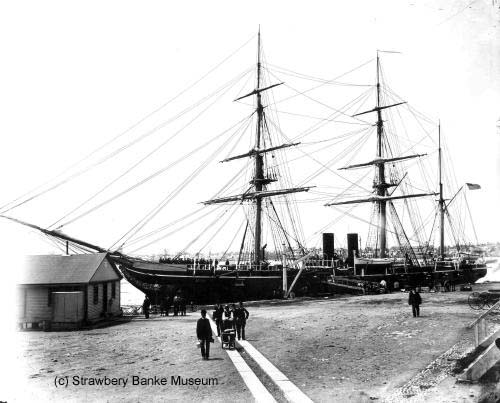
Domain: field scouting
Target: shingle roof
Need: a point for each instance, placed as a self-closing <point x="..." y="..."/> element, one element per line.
<point x="56" y="269"/>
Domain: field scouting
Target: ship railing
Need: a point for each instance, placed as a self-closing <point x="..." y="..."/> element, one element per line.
<point x="328" y="263"/>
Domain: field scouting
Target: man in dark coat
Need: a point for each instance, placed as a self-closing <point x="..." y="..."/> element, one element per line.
<point x="218" y="314"/>
<point x="176" y="305"/>
<point x="182" y="306"/>
<point x="204" y="334"/>
<point x="415" y="300"/>
<point x="145" y="307"/>
<point x="240" y="318"/>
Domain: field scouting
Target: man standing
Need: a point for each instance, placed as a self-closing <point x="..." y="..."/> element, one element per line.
<point x="240" y="317"/>
<point x="204" y="334"/>
<point x="218" y="314"/>
<point x="176" y="305"/>
<point x="415" y="300"/>
<point x="383" y="285"/>
<point x="145" y="307"/>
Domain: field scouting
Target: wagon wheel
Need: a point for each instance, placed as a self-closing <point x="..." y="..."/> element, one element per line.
<point x="476" y="301"/>
<point x="488" y="302"/>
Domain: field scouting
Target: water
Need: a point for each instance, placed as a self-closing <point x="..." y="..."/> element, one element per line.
<point x="129" y="294"/>
<point x="493" y="273"/>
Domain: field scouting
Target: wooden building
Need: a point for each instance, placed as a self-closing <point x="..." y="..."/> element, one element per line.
<point x="67" y="291"/>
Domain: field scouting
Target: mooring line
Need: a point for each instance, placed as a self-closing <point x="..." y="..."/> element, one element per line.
<point x="257" y="389"/>
<point x="292" y="393"/>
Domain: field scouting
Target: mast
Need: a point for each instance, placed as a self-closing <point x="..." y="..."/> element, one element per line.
<point x="441" y="199"/>
<point x="259" y="180"/>
<point x="381" y="186"/>
<point x="259" y="169"/>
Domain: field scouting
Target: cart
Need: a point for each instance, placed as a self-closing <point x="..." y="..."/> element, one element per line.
<point x="484" y="299"/>
<point x="228" y="339"/>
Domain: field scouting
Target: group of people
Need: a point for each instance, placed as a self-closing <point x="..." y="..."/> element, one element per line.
<point x="226" y="318"/>
<point x="166" y="303"/>
<point x="200" y="263"/>
<point x="231" y="318"/>
<point x="178" y="303"/>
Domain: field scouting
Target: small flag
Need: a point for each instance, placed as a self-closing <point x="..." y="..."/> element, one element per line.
<point x="473" y="186"/>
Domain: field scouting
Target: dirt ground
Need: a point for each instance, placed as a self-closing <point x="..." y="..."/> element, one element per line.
<point x="369" y="348"/>
<point x="366" y="348"/>
<point x="161" y="347"/>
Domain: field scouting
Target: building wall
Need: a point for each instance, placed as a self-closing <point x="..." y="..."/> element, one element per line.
<point x="21" y="294"/>
<point x="33" y="304"/>
<point x="105" y="272"/>
<point x="95" y="309"/>
<point x="115" y="306"/>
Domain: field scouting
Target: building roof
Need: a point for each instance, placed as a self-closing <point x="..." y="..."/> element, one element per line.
<point x="57" y="269"/>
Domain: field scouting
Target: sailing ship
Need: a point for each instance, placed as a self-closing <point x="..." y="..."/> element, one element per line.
<point x="412" y="265"/>
<point x="298" y="271"/>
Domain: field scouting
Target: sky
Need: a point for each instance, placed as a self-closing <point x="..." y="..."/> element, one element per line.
<point x="76" y="75"/>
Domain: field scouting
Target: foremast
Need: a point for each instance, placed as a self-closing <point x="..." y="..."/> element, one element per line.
<point x="259" y="180"/>
<point x="381" y="197"/>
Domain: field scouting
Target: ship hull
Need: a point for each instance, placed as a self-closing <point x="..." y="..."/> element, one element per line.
<point x="424" y="275"/>
<point x="211" y="286"/>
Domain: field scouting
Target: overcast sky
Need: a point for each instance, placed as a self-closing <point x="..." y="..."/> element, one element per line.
<point x="74" y="75"/>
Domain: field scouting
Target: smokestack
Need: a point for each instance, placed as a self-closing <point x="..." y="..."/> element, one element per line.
<point x="328" y="245"/>
<point x="352" y="248"/>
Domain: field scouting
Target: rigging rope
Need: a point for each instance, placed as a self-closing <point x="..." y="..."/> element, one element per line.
<point x="2" y="208"/>
<point x="152" y="176"/>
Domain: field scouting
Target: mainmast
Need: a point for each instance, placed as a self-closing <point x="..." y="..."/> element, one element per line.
<point x="259" y="166"/>
<point x="381" y="186"/>
<point x="259" y="180"/>
<point x="442" y="206"/>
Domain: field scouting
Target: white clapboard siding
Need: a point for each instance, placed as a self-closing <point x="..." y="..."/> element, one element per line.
<point x="37" y="308"/>
<point x="94" y="310"/>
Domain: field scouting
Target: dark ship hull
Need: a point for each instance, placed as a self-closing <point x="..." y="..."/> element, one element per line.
<point x="226" y="285"/>
<point x="221" y="285"/>
<point x="397" y="275"/>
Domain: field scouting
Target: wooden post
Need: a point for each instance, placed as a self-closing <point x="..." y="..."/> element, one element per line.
<point x="484" y="329"/>
<point x="476" y="334"/>
<point x="285" y="274"/>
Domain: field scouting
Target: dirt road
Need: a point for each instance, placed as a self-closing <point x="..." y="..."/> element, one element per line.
<point x="357" y="349"/>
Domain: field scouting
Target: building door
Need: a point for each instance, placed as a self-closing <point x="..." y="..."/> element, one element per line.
<point x="105" y="297"/>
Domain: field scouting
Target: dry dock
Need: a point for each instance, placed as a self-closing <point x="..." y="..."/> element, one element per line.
<point x="366" y="348"/>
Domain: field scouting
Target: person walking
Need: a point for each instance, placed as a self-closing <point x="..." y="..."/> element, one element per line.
<point x="145" y="307"/>
<point x="415" y="300"/>
<point x="240" y="318"/>
<point x="204" y="334"/>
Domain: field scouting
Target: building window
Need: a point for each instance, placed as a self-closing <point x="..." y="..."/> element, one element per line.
<point x="96" y="294"/>
<point x="113" y="290"/>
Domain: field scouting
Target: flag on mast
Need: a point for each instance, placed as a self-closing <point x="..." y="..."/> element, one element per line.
<point x="473" y="186"/>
